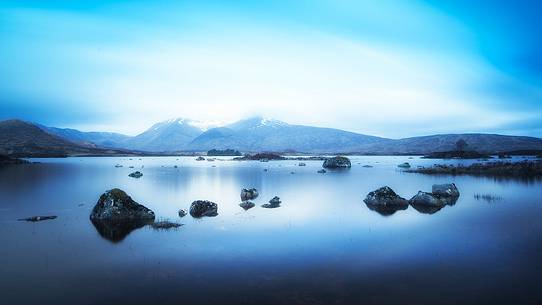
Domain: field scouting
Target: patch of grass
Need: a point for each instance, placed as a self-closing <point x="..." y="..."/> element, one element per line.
<point x="491" y="169"/>
<point x="487" y="197"/>
<point x="165" y="225"/>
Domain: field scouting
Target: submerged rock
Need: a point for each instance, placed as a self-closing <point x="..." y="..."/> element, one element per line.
<point x="38" y="218"/>
<point x="337" y="162"/>
<point x="445" y="190"/>
<point x="404" y="165"/>
<point x="201" y="208"/>
<point x="136" y="174"/>
<point x="321" y="171"/>
<point x="247" y="205"/>
<point x="116" y="205"/>
<point x="302" y="164"/>
<point x="367" y="166"/>
<point x="200" y="158"/>
<point x="385" y="197"/>
<point x="182" y="213"/>
<point x="273" y="203"/>
<point x="249" y="194"/>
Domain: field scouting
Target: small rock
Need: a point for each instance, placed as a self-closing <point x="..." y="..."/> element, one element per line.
<point x="302" y="164"/>
<point x="337" y="162"/>
<point x="367" y="166"/>
<point x="136" y="174"/>
<point x="273" y="203"/>
<point x="182" y="213"/>
<point x="404" y="165"/>
<point x="249" y="194"/>
<point x="247" y="205"/>
<point x="322" y="171"/>
<point x="200" y="158"/>
<point x="118" y="165"/>
<point x="201" y="208"/>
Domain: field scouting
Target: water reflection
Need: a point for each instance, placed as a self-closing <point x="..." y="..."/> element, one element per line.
<point x="116" y="231"/>
<point x="386" y="210"/>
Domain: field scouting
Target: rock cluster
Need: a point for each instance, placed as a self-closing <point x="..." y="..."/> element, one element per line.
<point x="386" y="202"/>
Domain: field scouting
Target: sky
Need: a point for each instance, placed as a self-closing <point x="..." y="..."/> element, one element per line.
<point x="387" y="68"/>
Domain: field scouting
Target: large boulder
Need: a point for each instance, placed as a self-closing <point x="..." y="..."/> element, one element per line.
<point x="445" y="190"/>
<point x="249" y="194"/>
<point x="337" y="162"/>
<point x="116" y="205"/>
<point x="385" y="196"/>
<point x="201" y="208"/>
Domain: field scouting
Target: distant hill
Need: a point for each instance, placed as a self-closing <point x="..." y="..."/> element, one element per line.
<point x="251" y="135"/>
<point x="483" y="143"/>
<point x="103" y="139"/>
<point x="23" y="139"/>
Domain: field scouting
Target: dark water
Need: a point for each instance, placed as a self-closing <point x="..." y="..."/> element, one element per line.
<point x="322" y="246"/>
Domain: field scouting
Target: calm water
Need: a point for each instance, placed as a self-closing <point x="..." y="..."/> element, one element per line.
<point x="322" y="246"/>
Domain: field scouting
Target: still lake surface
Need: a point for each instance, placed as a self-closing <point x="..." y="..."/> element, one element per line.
<point x="322" y="246"/>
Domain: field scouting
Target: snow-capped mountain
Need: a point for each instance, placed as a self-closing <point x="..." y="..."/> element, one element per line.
<point x="170" y="135"/>
<point x="258" y="134"/>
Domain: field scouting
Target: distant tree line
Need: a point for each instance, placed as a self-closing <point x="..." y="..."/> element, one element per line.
<point x="223" y="152"/>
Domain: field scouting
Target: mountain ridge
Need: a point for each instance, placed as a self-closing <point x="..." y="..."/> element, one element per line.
<point x="253" y="134"/>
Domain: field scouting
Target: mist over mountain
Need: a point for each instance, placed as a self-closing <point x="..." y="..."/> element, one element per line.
<point x="254" y="134"/>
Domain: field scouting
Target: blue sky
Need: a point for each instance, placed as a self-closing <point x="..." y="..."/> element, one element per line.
<point x="388" y="68"/>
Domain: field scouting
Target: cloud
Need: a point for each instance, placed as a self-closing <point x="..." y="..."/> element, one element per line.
<point x="394" y="70"/>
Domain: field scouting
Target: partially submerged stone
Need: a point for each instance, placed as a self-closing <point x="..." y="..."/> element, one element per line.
<point x="302" y="164"/>
<point x="337" y="162"/>
<point x="273" y="203"/>
<point x="445" y="190"/>
<point x="321" y="171"/>
<point x="249" y="194"/>
<point x="116" y="205"/>
<point x="385" y="196"/>
<point x="38" y="218"/>
<point x="201" y="208"/>
<point x="182" y="213"/>
<point x="247" y="205"/>
<point x="200" y="158"/>
<point x="404" y="165"/>
<point x="136" y="174"/>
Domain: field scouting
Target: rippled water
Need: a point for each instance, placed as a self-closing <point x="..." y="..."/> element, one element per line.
<point x="322" y="246"/>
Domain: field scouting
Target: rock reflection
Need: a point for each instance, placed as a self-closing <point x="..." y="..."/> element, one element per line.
<point x="116" y="231"/>
<point x="385" y="210"/>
